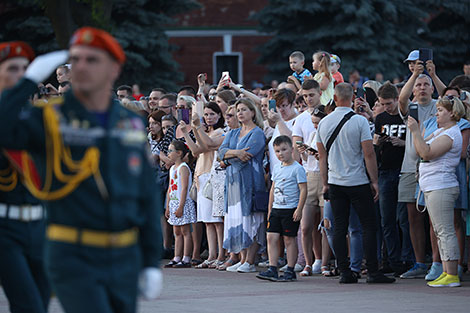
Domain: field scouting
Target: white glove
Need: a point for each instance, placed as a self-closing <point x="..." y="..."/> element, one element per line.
<point x="150" y="282"/>
<point x="44" y="65"/>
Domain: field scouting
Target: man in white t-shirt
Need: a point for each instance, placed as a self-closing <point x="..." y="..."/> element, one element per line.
<point x="421" y="86"/>
<point x="311" y="215"/>
<point x="284" y="117"/>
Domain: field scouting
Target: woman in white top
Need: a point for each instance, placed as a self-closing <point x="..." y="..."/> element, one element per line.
<point x="204" y="151"/>
<point x="440" y="155"/>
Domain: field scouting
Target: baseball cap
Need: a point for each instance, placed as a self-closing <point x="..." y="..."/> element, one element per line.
<point x="334" y="58"/>
<point x="413" y="56"/>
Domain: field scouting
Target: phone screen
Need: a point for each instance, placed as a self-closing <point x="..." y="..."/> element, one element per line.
<point x="414" y="111"/>
<point x="425" y="54"/>
<point x="272" y="104"/>
<point x="183" y="115"/>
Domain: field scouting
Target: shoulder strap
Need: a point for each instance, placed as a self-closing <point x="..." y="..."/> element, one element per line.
<point x="337" y="130"/>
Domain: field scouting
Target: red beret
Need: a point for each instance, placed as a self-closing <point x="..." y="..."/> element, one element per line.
<point x="93" y="37"/>
<point x="14" y="49"/>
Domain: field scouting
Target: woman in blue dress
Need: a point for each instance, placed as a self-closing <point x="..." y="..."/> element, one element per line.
<point x="243" y="150"/>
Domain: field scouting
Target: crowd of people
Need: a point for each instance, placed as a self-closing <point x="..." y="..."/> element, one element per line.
<point x="257" y="164"/>
<point x="312" y="176"/>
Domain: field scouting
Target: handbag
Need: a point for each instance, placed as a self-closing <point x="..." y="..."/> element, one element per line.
<point x="207" y="190"/>
<point x="260" y="201"/>
<point x="193" y="192"/>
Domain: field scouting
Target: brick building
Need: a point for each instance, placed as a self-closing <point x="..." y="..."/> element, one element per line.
<point x="219" y="37"/>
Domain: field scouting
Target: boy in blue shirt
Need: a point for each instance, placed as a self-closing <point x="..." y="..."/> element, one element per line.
<point x="296" y="63"/>
<point x="286" y="200"/>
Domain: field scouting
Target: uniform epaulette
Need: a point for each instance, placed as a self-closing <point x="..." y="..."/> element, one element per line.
<point x="55" y="101"/>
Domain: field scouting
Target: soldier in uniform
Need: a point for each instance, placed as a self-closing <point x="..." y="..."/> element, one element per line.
<point x="92" y="157"/>
<point x="22" y="218"/>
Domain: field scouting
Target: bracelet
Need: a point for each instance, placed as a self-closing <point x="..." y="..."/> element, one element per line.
<point x="226" y="162"/>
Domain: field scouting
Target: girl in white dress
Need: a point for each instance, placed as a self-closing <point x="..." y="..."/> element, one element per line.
<point x="180" y="209"/>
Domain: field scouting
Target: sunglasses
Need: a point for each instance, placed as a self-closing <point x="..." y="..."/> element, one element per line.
<point x="318" y="113"/>
<point x="462" y="97"/>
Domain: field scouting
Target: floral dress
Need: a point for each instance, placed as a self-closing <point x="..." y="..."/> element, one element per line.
<point x="189" y="210"/>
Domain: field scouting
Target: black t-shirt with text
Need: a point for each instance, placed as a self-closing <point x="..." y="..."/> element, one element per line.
<point x="390" y="156"/>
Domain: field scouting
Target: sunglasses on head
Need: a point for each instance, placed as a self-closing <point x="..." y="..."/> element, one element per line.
<point x="318" y="113"/>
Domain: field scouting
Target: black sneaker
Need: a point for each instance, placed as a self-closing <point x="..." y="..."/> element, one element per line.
<point x="268" y="275"/>
<point x="379" y="278"/>
<point x="288" y="276"/>
<point x="347" y="278"/>
<point x="399" y="269"/>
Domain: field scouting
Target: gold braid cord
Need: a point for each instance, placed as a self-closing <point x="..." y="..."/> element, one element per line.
<point x="8" y="179"/>
<point x="56" y="155"/>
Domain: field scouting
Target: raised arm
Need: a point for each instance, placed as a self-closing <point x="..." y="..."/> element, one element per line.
<point x="405" y="93"/>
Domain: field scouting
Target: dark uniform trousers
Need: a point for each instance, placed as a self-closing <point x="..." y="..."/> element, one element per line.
<point x="21" y="265"/>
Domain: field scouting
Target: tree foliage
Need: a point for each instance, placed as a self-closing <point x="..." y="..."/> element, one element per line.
<point x="138" y="25"/>
<point x="369" y="35"/>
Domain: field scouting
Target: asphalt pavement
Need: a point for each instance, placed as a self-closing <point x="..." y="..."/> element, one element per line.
<point x="211" y="291"/>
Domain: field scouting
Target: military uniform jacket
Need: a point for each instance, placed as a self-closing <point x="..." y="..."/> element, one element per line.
<point x="129" y="198"/>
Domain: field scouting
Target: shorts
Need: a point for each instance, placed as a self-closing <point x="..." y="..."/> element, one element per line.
<point x="314" y="191"/>
<point x="281" y="221"/>
<point x="407" y="187"/>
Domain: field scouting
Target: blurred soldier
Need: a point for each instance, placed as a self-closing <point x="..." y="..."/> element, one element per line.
<point x="22" y="218"/>
<point x="103" y="215"/>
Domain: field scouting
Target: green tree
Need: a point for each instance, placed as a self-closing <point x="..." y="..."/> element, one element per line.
<point x="369" y="35"/>
<point x="449" y="37"/>
<point x="137" y="25"/>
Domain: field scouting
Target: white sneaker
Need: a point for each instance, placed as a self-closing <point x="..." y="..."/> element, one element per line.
<point x="316" y="267"/>
<point x="234" y="267"/>
<point x="263" y="263"/>
<point x="297" y="268"/>
<point x="246" y="268"/>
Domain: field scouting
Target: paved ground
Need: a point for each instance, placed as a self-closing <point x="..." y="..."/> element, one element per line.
<point x="207" y="291"/>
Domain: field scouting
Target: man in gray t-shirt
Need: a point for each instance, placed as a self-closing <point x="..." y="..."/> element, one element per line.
<point x="345" y="180"/>
<point x="422" y="88"/>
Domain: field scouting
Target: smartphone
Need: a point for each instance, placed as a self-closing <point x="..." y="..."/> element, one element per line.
<point x="311" y="149"/>
<point x="183" y="115"/>
<point x="414" y="111"/>
<point x="272" y="105"/>
<point x="225" y="75"/>
<point x="425" y="54"/>
<point x="382" y="134"/>
<point x="360" y="92"/>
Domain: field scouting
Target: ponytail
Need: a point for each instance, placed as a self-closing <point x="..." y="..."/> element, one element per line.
<point x="324" y="58"/>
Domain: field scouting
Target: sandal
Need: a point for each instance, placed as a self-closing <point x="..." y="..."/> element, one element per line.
<point x="216" y="264"/>
<point x="325" y="270"/>
<point x="182" y="264"/>
<point x="170" y="264"/>
<point x="307" y="271"/>
<point x="205" y="264"/>
<point x="196" y="262"/>
<point x="331" y="273"/>
<point x="227" y="263"/>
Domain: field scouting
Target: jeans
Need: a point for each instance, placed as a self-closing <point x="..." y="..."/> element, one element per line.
<point x="388" y="185"/>
<point x="407" y="253"/>
<point x="360" y="197"/>
<point x="355" y="236"/>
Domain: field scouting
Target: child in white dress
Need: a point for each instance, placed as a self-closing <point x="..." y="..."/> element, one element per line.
<point x="180" y="209"/>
